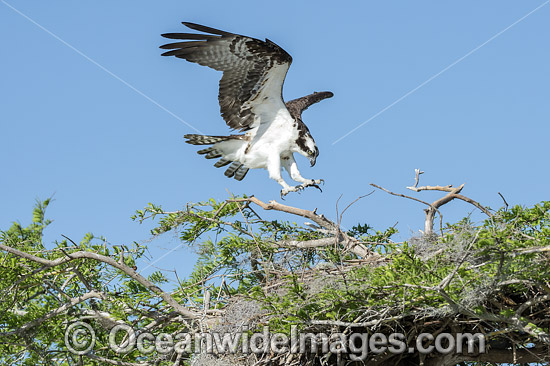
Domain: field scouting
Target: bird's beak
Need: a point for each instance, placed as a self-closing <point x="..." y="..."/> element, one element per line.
<point x="313" y="159"/>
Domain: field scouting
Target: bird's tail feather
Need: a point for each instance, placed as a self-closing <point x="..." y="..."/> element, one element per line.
<point x="235" y="170"/>
<point x="210" y="153"/>
<point x="241" y="173"/>
<point x="222" y="162"/>
<point x="209" y="140"/>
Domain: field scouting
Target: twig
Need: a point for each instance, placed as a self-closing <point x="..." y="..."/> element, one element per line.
<point x="430" y="211"/>
<point x="417" y="173"/>
<point x="504" y="199"/>
<point x="351" y="204"/>
<point x="400" y="195"/>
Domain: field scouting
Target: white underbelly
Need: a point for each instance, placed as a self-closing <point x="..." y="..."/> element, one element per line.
<point x="262" y="151"/>
<point x="268" y="141"/>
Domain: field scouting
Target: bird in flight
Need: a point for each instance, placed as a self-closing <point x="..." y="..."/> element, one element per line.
<point x="251" y="102"/>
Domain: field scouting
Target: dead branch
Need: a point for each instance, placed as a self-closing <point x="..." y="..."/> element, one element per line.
<point x="348" y="206"/>
<point x="452" y="194"/>
<point x="472" y="202"/>
<point x="448" y="188"/>
<point x="306" y="244"/>
<point x="503" y="199"/>
<point x="320" y="220"/>
<point x="530" y="250"/>
<point x="430" y="211"/>
<point x="400" y="195"/>
<point x="433" y="208"/>
<point x="417" y="173"/>
<point x="349" y="243"/>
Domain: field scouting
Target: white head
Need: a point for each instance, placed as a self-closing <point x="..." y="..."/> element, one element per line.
<point x="306" y="145"/>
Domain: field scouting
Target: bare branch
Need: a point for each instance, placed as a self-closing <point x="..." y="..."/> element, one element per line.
<point x="417" y="173"/>
<point x="400" y="195"/>
<point x="472" y="202"/>
<point x="351" y="204"/>
<point x="320" y="220"/>
<point x="430" y="211"/>
<point x="531" y="302"/>
<point x="503" y="199"/>
<point x="448" y="188"/>
<point x="433" y="207"/>
<point x="530" y="250"/>
<point x="316" y="243"/>
<point x="349" y="243"/>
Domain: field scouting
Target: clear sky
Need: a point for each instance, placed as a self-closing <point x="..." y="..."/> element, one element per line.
<point x="92" y="114"/>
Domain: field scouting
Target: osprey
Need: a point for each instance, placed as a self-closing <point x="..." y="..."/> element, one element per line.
<point x="251" y="101"/>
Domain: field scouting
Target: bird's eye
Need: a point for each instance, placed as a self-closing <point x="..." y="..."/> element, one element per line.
<point x="309" y="152"/>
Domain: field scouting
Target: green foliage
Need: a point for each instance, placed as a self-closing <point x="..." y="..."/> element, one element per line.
<point x="240" y="255"/>
<point x="409" y="283"/>
<point x="31" y="291"/>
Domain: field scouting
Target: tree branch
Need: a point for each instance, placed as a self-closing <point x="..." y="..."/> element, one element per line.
<point x="316" y="243"/>
<point x="348" y="242"/>
<point x="108" y="260"/>
<point x="320" y="220"/>
<point x="59" y="310"/>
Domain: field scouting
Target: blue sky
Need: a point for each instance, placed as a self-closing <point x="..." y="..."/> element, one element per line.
<point x="91" y="113"/>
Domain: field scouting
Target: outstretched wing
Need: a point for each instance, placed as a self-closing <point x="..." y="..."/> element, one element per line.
<point x="253" y="70"/>
<point x="297" y="106"/>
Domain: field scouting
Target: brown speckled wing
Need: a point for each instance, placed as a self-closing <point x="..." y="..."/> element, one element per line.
<point x="297" y="106"/>
<point x="247" y="63"/>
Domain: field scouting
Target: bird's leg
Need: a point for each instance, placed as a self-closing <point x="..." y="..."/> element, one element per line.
<point x="292" y="168"/>
<point x="274" y="170"/>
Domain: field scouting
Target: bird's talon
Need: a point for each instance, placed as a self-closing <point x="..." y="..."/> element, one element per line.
<point x="316" y="186"/>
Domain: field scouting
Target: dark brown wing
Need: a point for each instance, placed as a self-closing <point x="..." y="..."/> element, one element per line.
<point x="297" y="106"/>
<point x="247" y="64"/>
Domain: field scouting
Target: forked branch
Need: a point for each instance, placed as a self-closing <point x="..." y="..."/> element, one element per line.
<point x="433" y="208"/>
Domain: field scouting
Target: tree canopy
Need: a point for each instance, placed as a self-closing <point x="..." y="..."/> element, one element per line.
<point x="489" y="278"/>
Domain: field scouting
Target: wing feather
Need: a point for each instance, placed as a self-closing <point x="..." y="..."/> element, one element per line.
<point x="253" y="70"/>
<point x="171" y="46"/>
<point x="205" y="29"/>
<point x="297" y="106"/>
<point x="187" y="36"/>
